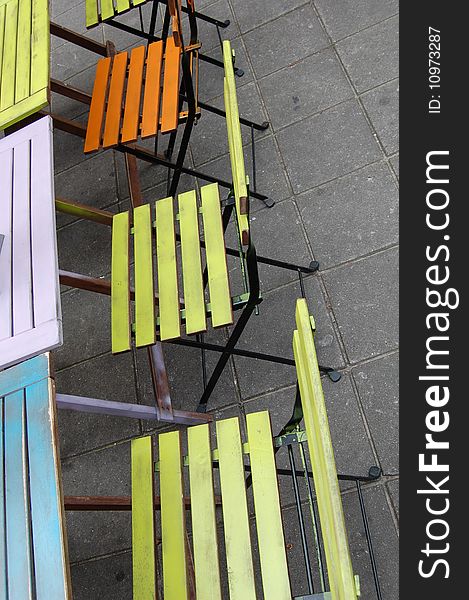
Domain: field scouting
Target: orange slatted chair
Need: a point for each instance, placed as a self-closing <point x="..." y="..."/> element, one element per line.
<point x="148" y="92"/>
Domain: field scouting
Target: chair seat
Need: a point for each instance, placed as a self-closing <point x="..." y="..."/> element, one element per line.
<point x="33" y="554"/>
<point x="24" y="59"/>
<point x="206" y="542"/>
<point x="135" y="96"/>
<point x="172" y="261"/>
<point x="98" y="11"/>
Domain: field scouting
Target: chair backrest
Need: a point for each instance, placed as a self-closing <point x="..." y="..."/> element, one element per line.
<point x="339" y="564"/>
<point x="237" y="526"/>
<point x="235" y="143"/>
<point x="33" y="552"/>
<point x="30" y="314"/>
<point x="170" y="313"/>
<point x="24" y="59"/>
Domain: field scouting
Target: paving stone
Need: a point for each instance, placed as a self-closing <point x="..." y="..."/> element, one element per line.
<point x="394" y="160"/>
<point x="270" y="49"/>
<point x="326" y="146"/>
<point x="364" y="295"/>
<point x="393" y="487"/>
<point x="385" y="542"/>
<point x="295" y="556"/>
<point x="209" y="140"/>
<point x="60" y="6"/>
<point x="85" y="247"/>
<point x="92" y="534"/>
<point x="68" y="149"/>
<point x="211" y="76"/>
<point x="345" y="17"/>
<point x="272" y="232"/>
<point x="249" y="16"/>
<point x="382" y="106"/>
<point x="351" y="216"/>
<point x="372" y="56"/>
<point x="72" y="109"/>
<point x="70" y="59"/>
<point x="207" y="32"/>
<point x="105" y="472"/>
<point x="91" y="182"/>
<point x="86" y="325"/>
<point x="378" y="386"/>
<point x="205" y="4"/>
<point x="75" y="19"/>
<point x="107" y="578"/>
<point x="272" y="331"/>
<point x="305" y="88"/>
<point x="271" y="179"/>
<point x="106" y="377"/>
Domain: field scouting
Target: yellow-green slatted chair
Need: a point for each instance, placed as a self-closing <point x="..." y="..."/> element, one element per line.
<point x="24" y="59"/>
<point x="172" y="265"/>
<point x="229" y="455"/>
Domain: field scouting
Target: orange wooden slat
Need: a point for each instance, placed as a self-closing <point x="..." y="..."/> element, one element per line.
<point x="95" y="118"/>
<point x="170" y="108"/>
<point x="151" y="100"/>
<point x="114" y="106"/>
<point x="133" y="95"/>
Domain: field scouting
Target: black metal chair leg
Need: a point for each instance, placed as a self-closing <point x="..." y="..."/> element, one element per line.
<point x="234" y="337"/>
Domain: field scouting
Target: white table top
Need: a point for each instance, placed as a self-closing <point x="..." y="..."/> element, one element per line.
<point x="30" y="313"/>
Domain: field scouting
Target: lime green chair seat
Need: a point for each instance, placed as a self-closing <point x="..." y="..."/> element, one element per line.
<point x="175" y="264"/>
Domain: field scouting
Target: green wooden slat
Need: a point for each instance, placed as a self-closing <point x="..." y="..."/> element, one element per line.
<point x="143" y="527"/>
<point x="144" y="294"/>
<point x="122" y="6"/>
<point x="120" y="292"/>
<point x="336" y="549"/>
<point x="7" y="90"/>
<point x="40" y="50"/>
<point x="92" y="13"/>
<point x="173" y="527"/>
<point x="235" y="141"/>
<point x="275" y="580"/>
<point x="23" y="50"/>
<point x="107" y="9"/>
<point x="218" y="282"/>
<point x="204" y="532"/>
<point x="235" y="511"/>
<point x="194" y="300"/>
<point x="2" y="34"/>
<point x="168" y="291"/>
